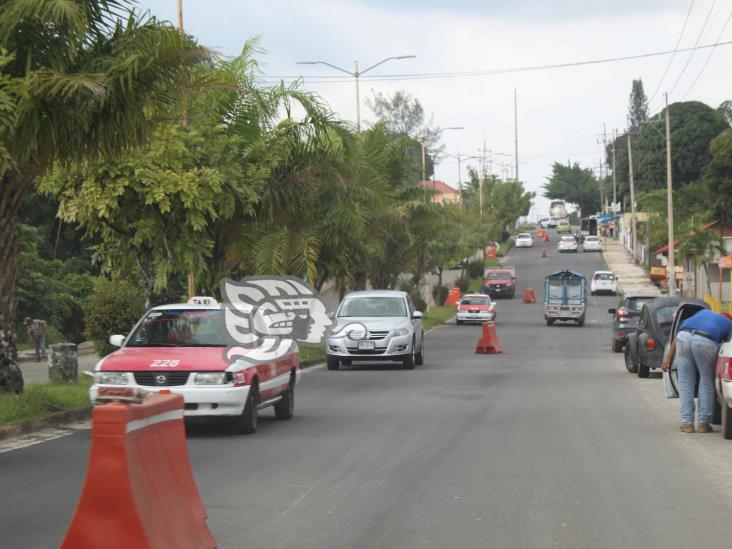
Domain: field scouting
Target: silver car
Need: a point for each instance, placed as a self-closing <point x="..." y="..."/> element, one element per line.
<point x="376" y="325"/>
<point x="567" y="244"/>
<point x="592" y="244"/>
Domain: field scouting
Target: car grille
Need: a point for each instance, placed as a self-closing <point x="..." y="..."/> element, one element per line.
<point x="366" y="352"/>
<point x="374" y="335"/>
<point x="155" y="378"/>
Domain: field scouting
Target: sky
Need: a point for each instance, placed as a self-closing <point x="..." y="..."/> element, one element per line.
<point x="561" y="112"/>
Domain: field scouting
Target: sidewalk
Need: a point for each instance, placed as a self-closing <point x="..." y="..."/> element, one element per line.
<point x="631" y="278"/>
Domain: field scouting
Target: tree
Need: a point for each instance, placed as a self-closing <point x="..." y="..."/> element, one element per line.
<point x="576" y="185"/>
<point x="701" y="246"/>
<point x="80" y="80"/>
<point x="638" y="106"/>
<point x="718" y="172"/>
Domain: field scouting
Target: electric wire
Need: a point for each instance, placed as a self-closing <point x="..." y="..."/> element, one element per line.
<point x="691" y="54"/>
<point x="673" y="55"/>
<point x="709" y="58"/>
<point x="510" y="70"/>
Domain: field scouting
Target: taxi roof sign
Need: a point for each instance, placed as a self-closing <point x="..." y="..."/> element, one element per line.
<point x="202" y="300"/>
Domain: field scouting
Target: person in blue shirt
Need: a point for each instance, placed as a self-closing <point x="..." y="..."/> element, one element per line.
<point x="695" y="352"/>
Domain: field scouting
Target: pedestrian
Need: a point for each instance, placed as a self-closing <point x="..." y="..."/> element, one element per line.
<point x="37" y="334"/>
<point x="695" y="353"/>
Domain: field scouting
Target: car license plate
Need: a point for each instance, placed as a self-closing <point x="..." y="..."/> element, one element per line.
<point x="366" y="345"/>
<point x="475" y="312"/>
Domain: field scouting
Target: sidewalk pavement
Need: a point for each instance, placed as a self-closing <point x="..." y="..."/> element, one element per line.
<point x="632" y="279"/>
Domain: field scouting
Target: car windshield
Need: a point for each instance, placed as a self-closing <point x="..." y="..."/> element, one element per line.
<point x="498" y="276"/>
<point x="603" y="276"/>
<point x="373" y="307"/>
<point x="181" y="328"/>
<point x="476" y="300"/>
<point x="635" y="304"/>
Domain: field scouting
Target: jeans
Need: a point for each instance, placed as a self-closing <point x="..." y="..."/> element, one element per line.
<point x="40" y="345"/>
<point x="695" y="359"/>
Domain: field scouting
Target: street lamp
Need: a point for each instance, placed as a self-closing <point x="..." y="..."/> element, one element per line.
<point x="356" y="74"/>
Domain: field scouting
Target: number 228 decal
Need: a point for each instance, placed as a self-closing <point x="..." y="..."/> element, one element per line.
<point x="164" y="363"/>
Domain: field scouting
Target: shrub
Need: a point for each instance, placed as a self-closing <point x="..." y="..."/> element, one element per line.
<point x="475" y="269"/>
<point x="440" y="294"/>
<point x="113" y="308"/>
<point x="419" y="303"/>
<point x="463" y="284"/>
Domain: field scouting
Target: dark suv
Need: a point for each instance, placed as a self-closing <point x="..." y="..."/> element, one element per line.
<point x="625" y="318"/>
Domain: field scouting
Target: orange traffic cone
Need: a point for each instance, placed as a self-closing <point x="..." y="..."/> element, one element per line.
<point x="546" y="237"/>
<point x="488" y="343"/>
<point x="453" y="298"/>
<point x="529" y="295"/>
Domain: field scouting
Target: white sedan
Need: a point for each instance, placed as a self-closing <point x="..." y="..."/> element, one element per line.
<point x="524" y="240"/>
<point x="592" y="244"/>
<point x="567" y="243"/>
<point x="604" y="282"/>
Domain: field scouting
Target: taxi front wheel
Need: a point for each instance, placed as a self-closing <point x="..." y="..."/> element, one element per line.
<point x="246" y="423"/>
<point x="285" y="408"/>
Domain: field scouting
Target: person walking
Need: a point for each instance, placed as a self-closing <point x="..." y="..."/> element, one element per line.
<point x="37" y="334"/>
<point x="695" y="353"/>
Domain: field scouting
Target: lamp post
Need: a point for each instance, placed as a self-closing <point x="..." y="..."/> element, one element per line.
<point x="356" y="75"/>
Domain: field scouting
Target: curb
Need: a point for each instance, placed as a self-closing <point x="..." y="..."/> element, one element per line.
<point x="56" y="419"/>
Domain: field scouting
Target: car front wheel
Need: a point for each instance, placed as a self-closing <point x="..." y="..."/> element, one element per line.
<point x="285" y="408"/>
<point x="333" y="363"/>
<point x="617" y="346"/>
<point x="246" y="423"/>
<point x="409" y="362"/>
<point x="419" y="358"/>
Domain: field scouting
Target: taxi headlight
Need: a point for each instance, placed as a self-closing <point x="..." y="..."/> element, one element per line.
<point x="210" y="378"/>
<point x="401" y="332"/>
<point x="111" y="378"/>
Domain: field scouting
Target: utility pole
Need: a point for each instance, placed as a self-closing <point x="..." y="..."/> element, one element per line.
<point x="424" y="161"/>
<point x="460" y="180"/>
<point x="615" y="180"/>
<point x="632" y="195"/>
<point x="356" y="76"/>
<point x="515" y="131"/>
<point x="670" y="198"/>
<point x="180" y="16"/>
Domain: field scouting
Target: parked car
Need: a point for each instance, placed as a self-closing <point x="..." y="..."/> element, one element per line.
<point x="553" y="222"/>
<point x="591" y="244"/>
<point x="393" y="330"/>
<point x="564" y="227"/>
<point x="646" y="345"/>
<point x="499" y="282"/>
<point x="604" y="282"/>
<point x="475" y="308"/>
<point x="723" y="385"/>
<point x="524" y="240"/>
<point x="625" y="318"/>
<point x="567" y="244"/>
<point x="180" y="348"/>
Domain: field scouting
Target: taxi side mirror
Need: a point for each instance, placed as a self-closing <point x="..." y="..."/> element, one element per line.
<point x="116" y="340"/>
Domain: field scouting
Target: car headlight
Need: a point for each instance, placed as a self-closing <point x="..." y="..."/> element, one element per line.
<point x="111" y="378"/>
<point x="210" y="378"/>
<point x="401" y="332"/>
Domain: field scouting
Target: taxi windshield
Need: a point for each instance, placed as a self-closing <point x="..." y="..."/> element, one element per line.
<point x="373" y="307"/>
<point x="476" y="301"/>
<point x="181" y="328"/>
<point x="498" y="276"/>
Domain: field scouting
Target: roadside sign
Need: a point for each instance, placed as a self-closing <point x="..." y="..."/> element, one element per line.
<point x="688" y="281"/>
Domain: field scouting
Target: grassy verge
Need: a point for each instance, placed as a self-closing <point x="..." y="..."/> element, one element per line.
<point x="476" y="284"/>
<point x="42" y="399"/>
<point x="437" y="315"/>
<point x="311" y="353"/>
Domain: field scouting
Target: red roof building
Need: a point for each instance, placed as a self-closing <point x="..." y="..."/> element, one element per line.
<point x="443" y="193"/>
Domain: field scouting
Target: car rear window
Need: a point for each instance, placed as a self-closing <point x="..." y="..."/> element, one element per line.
<point x="603" y="276"/>
<point x="665" y="316"/>
<point x="635" y="304"/>
<point x="592" y="239"/>
<point x="181" y="328"/>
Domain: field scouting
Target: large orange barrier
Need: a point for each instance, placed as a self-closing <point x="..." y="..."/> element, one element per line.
<point x="139" y="490"/>
<point x="491" y="251"/>
<point x="488" y="343"/>
<point x="529" y="295"/>
<point x="453" y="298"/>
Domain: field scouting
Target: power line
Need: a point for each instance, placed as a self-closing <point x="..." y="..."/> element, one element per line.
<point x="709" y="58"/>
<point x="676" y="47"/>
<point x="691" y="54"/>
<point x="510" y="70"/>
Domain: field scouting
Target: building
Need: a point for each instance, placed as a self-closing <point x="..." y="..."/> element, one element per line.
<point x="443" y="193"/>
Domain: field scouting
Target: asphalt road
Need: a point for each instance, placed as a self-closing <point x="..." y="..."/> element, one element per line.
<point x="550" y="444"/>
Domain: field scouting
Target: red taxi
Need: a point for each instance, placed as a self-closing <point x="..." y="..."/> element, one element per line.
<point x="180" y="348"/>
<point x="475" y="308"/>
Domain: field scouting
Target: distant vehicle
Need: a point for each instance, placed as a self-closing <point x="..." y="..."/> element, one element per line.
<point x="394" y="330"/>
<point x="592" y="244"/>
<point x="588" y="226"/>
<point x="544" y="223"/>
<point x="524" y="240"/>
<point x="567" y="244"/>
<point x="625" y="318"/>
<point x="475" y="308"/>
<point x="500" y="282"/>
<point x="565" y="297"/>
<point x="604" y="282"/>
<point x="564" y="227"/>
<point x="723" y="385"/>
<point x="553" y="222"/>
<point x="644" y="349"/>
<point x="558" y="209"/>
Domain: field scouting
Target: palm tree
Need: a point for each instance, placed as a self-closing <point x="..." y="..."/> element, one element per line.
<point x="702" y="246"/>
<point x="82" y="79"/>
